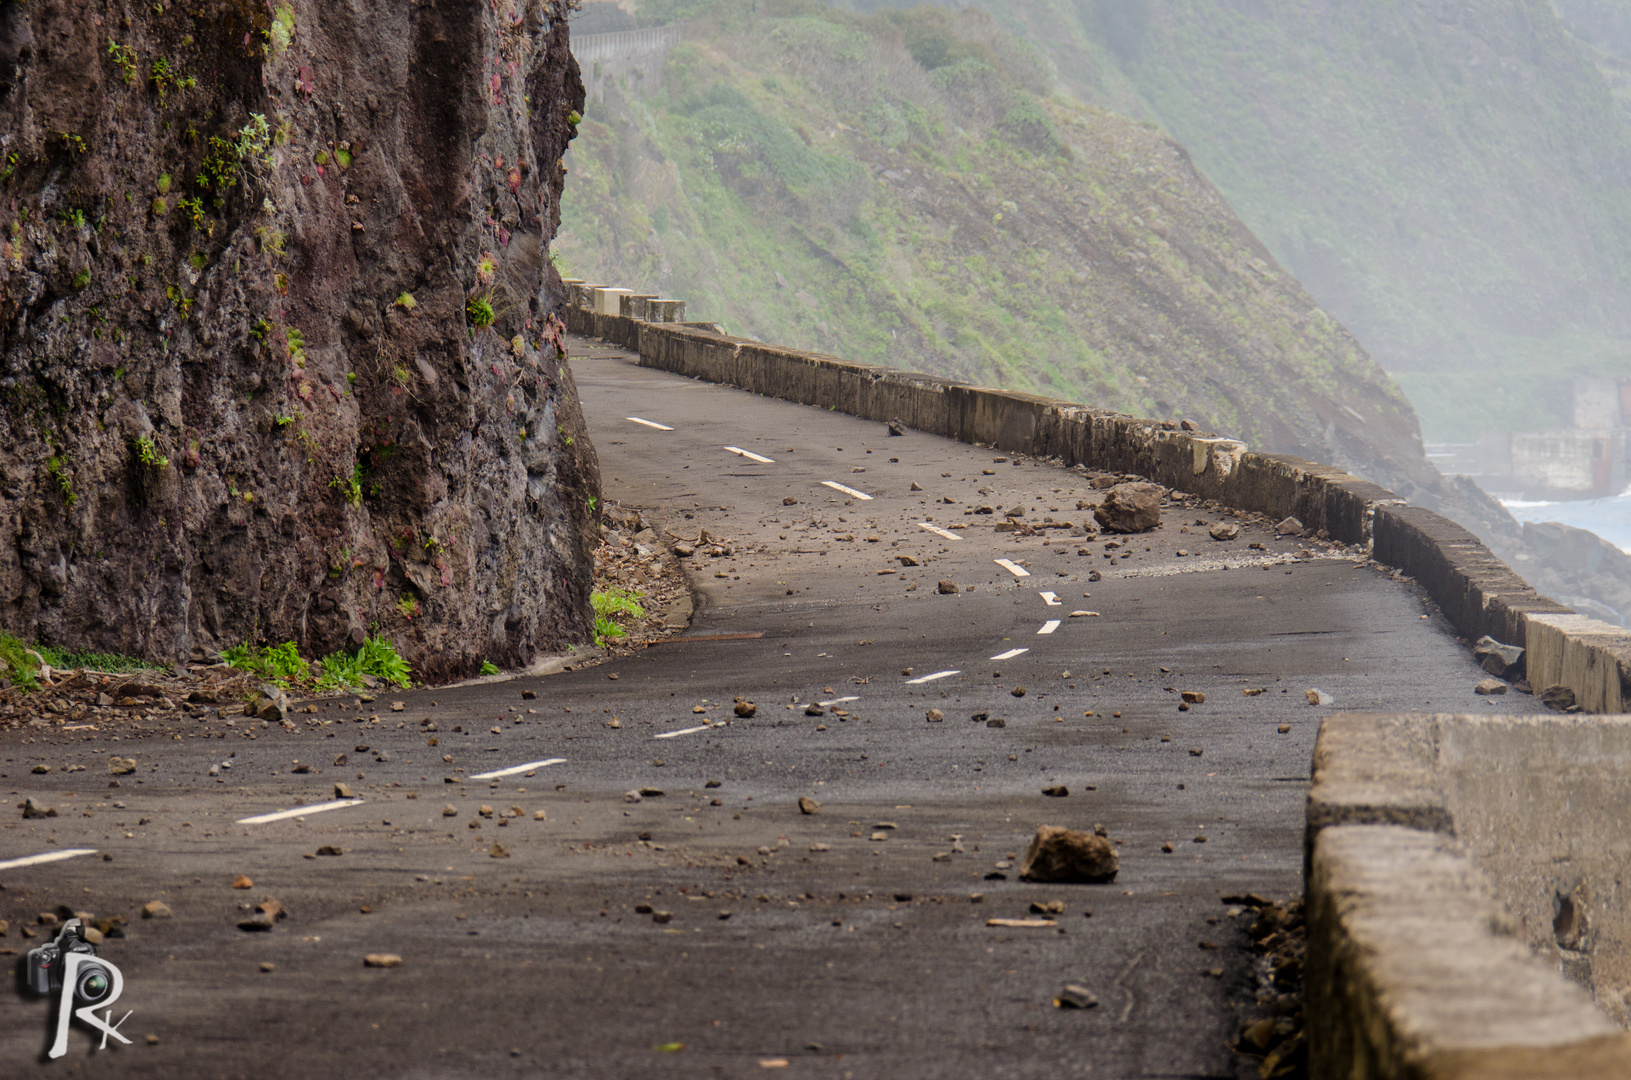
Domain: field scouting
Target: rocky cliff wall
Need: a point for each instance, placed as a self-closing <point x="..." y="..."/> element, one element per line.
<point x="278" y="352"/>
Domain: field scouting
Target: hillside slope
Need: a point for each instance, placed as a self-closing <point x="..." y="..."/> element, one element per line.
<point x="1450" y="181"/>
<point x="905" y="189"/>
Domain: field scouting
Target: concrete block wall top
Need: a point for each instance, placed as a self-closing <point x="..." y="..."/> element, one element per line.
<point x="1413" y="972"/>
<point x="1478" y="592"/>
<point x="1592" y="658"/>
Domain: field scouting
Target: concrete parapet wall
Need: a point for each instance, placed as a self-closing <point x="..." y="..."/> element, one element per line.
<point x="1518" y="820"/>
<point x="1477" y="591"/>
<point x="1415" y="971"/>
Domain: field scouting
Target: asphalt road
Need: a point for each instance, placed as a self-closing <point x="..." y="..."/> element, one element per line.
<point x="847" y="943"/>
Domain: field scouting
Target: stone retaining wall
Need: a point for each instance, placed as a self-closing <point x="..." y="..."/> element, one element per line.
<point x="1477" y="591"/>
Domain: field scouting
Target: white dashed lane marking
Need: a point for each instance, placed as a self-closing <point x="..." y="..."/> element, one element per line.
<point x="1010" y="654"/>
<point x="49" y="856"/>
<point x="1050" y="599"/>
<point x="513" y="769"/>
<point x="938" y="531"/>
<point x="931" y="678"/>
<point x="751" y="455"/>
<point x="649" y="423"/>
<point x="301" y="811"/>
<point x="839" y="700"/>
<point x="682" y="731"/>
<point x="1049" y="627"/>
<point x="1012" y="567"/>
<point x="846" y="490"/>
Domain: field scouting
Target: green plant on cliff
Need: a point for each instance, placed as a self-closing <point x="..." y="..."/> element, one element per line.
<point x="125" y="59"/>
<point x="281" y="664"/>
<point x="479" y="311"/>
<point x="351" y="487"/>
<point x="16" y="666"/>
<point x="147" y="452"/>
<point x="57" y="467"/>
<point x="613" y="604"/>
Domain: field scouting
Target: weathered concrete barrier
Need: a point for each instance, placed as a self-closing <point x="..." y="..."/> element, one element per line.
<point x="1464" y="896"/>
<point x="1478" y="592"/>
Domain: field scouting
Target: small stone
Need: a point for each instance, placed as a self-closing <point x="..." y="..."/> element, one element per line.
<point x="1224" y="530"/>
<point x="382" y="960"/>
<point x="258" y="923"/>
<point x="398" y="706"/>
<point x="808" y="805"/>
<point x="746" y="709"/>
<point x="152" y="1040"/>
<point x="1195" y="751"/>
<point x="156" y="909"/>
<point x="813" y="709"/>
<point x="498" y="851"/>
<point x="529" y="695"/>
<point x="819" y="847"/>
<point x="1047" y="907"/>
<point x="1194" y="697"/>
<point x="242" y="882"/>
<point x="1283" y="728"/>
<point x="631" y="796"/>
<point x="121" y="766"/>
<point x="1065" y="855"/>
<point x="34" y="809"/>
<point x="947" y="587"/>
<point x="1558" y="698"/>
<point x="1490" y="687"/>
<point x="1018" y="691"/>
<point x="1075" y="996"/>
<point x="1167" y="848"/>
<point x="1057" y="791"/>
<point x="267" y="967"/>
<point x="651" y="792"/>
<point x="934" y="716"/>
<point x="302" y="768"/>
<point x="642" y="909"/>
<point x="897" y="428"/>
<point x="330" y="849"/>
<point x="1319" y="697"/>
<point x="539" y="815"/>
<point x="789" y="501"/>
<point x="484" y="810"/>
<point x="662" y="916"/>
<point x="449" y="810"/>
<point x="1289" y="527"/>
<point x="997" y="722"/>
<point x="714" y="783"/>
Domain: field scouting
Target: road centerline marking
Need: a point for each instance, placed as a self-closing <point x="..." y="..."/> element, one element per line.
<point x="299" y="811"/>
<point x="46" y="857"/>
<point x="1012" y="567"/>
<point x="751" y="455"/>
<point x="1050" y="599"/>
<point x="1049" y="627"/>
<point x="682" y="731"/>
<point x="839" y="700"/>
<point x="931" y="678"/>
<point x="513" y="769"/>
<point x="649" y="423"/>
<point x="938" y="531"/>
<point x="1010" y="654"/>
<point x="836" y="486"/>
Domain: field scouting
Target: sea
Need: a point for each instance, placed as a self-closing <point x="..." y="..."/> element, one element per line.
<point x="1608" y="517"/>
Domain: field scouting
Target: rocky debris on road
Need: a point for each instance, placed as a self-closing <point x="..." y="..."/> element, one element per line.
<point x="947" y="587"/>
<point x="121" y="766"/>
<point x="32" y="808"/>
<point x="1056" y="791"/>
<point x="1130" y="508"/>
<point x="808" y="805"/>
<point x="934" y="716"/>
<point x="1224" y="530"/>
<point x="382" y="960"/>
<point x="1289" y="527"/>
<point x="1559" y="699"/>
<point x="1075" y="996"/>
<point x="1490" y="687"/>
<point x="1318" y="697"/>
<point x="156" y="909"/>
<point x="633" y="559"/>
<point x="896" y="427"/>
<point x="1273" y="1029"/>
<point x="1194" y="697"/>
<point x="1501" y="661"/>
<point x="267" y="914"/>
<point x="1058" y="854"/>
<point x="140" y="703"/>
<point x="745" y="709"/>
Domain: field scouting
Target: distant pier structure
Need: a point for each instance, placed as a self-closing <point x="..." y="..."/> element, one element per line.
<point x="634" y="57"/>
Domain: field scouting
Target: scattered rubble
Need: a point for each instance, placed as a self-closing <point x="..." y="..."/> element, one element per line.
<point x="1130" y="508"/>
<point x="1065" y="855"/>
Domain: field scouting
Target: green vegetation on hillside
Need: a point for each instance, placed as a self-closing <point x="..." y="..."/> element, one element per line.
<point x="908" y="189"/>
<point x="1448" y="182"/>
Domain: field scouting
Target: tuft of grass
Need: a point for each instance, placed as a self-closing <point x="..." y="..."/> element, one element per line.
<point x="117" y="663"/>
<point x="377" y="657"/>
<point x="281" y="664"/>
<point x="610" y="605"/>
<point x="489" y="668"/>
<point x="20" y="669"/>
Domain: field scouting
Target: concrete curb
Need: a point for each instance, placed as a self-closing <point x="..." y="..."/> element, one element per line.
<point x="1414" y="970"/>
<point x="1463" y="897"/>
<point x="1478" y="592"/>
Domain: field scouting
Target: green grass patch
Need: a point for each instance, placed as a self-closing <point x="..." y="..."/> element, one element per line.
<point x="611" y="605"/>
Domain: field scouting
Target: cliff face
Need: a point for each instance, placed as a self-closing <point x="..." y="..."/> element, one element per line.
<point x="277" y="349"/>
